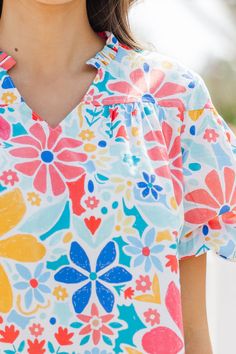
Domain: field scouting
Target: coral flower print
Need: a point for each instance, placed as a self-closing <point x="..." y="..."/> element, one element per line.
<point x="9" y="177"/>
<point x="96" y="324"/>
<point x="143" y="284"/>
<point x="36" y="329"/>
<point x="150" y="85"/>
<point x="217" y="200"/>
<point x="50" y="155"/>
<point x="96" y="213"/>
<point x="210" y="135"/>
<point x="152" y="317"/>
<point x="165" y="146"/>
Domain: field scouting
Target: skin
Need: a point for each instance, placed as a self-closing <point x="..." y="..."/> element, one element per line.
<point x="52" y="54"/>
<point x="193" y="296"/>
<point x="51" y="38"/>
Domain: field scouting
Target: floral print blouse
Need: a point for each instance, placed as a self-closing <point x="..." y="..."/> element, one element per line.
<point x="96" y="212"/>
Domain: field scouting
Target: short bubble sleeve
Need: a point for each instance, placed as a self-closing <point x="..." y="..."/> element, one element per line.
<point x="208" y="147"/>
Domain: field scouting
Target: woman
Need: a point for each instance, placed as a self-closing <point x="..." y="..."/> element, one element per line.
<point x="117" y="176"/>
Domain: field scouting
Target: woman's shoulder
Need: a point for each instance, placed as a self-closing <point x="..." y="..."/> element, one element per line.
<point x="163" y="76"/>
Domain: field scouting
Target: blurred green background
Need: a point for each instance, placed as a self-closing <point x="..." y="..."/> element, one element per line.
<point x="199" y="33"/>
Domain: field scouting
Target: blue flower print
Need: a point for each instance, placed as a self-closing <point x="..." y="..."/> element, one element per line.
<point x="97" y="351"/>
<point x="145" y="250"/>
<point x="33" y="283"/>
<point x="115" y="275"/>
<point x="148" y="186"/>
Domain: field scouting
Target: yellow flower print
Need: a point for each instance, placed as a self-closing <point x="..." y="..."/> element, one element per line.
<point x="166" y="64"/>
<point x="60" y="293"/>
<point x="87" y="134"/>
<point x="98" y="156"/>
<point x="33" y="198"/>
<point x="123" y="185"/>
<point x="124" y="223"/>
<point x="19" y="247"/>
<point x="135" y="61"/>
<point x="9" y="97"/>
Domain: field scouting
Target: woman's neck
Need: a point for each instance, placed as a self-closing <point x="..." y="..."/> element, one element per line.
<point x="45" y="39"/>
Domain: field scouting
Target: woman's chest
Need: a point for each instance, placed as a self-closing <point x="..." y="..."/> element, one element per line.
<point x="107" y="172"/>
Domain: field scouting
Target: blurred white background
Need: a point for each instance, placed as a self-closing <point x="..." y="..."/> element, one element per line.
<point x="202" y="35"/>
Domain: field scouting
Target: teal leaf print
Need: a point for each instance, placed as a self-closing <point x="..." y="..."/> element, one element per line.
<point x="115" y="325"/>
<point x="84" y="340"/>
<point x="76" y="325"/>
<point x="51" y="347"/>
<point x="107" y="340"/>
<point x="21" y="346"/>
<point x="101" y="178"/>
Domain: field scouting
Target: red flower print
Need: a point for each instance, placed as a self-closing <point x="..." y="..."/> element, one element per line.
<point x="36" y="329"/>
<point x="9" y="334"/>
<point x="172" y="263"/>
<point x="210" y="135"/>
<point x="167" y="147"/>
<point x="218" y="200"/>
<point x="114" y="113"/>
<point x="63" y="336"/>
<point x="129" y="293"/>
<point x="92" y="202"/>
<point x="92" y="223"/>
<point x="95" y="324"/>
<point x="149" y="85"/>
<point x="50" y="155"/>
<point x="36" y="347"/>
<point x="152" y="316"/>
<point x="143" y="283"/>
<point x="9" y="177"/>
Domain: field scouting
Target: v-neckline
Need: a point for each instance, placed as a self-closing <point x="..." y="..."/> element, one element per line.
<point x="100" y="60"/>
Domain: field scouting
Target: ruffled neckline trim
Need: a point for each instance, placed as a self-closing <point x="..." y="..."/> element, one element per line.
<point x="101" y="58"/>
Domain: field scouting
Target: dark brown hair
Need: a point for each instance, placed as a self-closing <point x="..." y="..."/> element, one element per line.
<point x="110" y="15"/>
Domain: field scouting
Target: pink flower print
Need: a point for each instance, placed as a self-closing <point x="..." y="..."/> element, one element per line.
<point x="48" y="157"/>
<point x="167" y="148"/>
<point x="143" y="283"/>
<point x="36" y="329"/>
<point x="210" y="135"/>
<point x="148" y="84"/>
<point x="5" y="129"/>
<point x="218" y="201"/>
<point x="9" y="177"/>
<point x="152" y="317"/>
<point x="92" y="202"/>
<point x="95" y="324"/>
<point x="162" y="339"/>
<point x="92" y="97"/>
